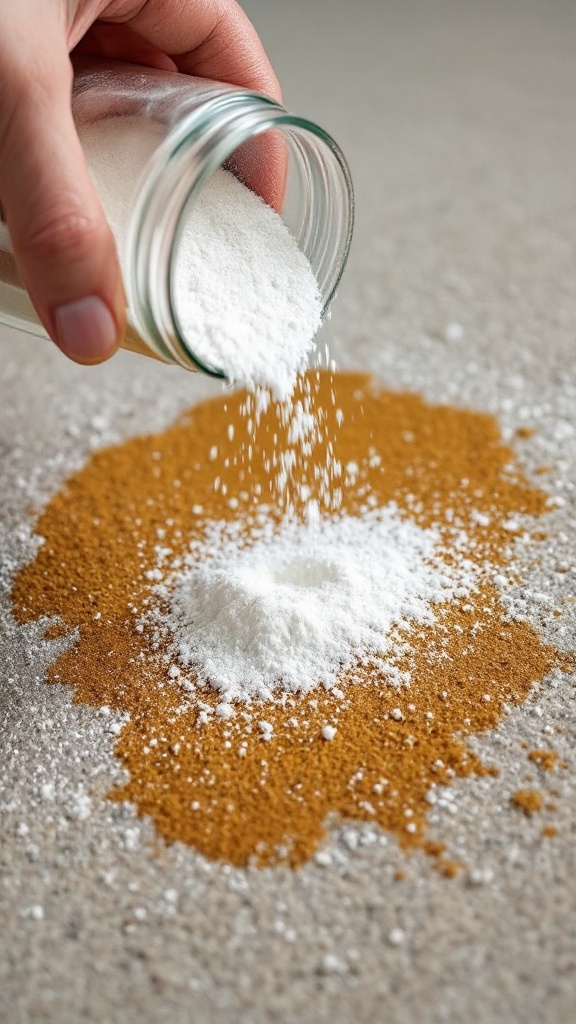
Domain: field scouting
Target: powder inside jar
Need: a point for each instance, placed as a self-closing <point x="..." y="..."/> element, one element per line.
<point x="245" y="295"/>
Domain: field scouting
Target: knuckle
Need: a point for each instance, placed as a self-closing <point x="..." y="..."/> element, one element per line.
<point x="62" y="234"/>
<point x="32" y="84"/>
<point x="46" y="78"/>
<point x="29" y="94"/>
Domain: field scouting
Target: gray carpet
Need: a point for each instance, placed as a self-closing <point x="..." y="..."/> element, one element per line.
<point x="458" y="119"/>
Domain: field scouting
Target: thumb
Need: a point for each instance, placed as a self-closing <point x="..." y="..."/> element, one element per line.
<point x="62" y="243"/>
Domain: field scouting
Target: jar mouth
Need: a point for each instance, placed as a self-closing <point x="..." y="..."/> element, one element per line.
<point x="317" y="206"/>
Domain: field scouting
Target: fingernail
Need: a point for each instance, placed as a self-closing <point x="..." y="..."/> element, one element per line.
<point x="85" y="330"/>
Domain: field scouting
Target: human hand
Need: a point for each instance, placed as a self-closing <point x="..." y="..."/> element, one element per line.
<point x="62" y="243"/>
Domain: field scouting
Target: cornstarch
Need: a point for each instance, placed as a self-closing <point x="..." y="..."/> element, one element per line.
<point x="300" y="603"/>
<point x="246" y="296"/>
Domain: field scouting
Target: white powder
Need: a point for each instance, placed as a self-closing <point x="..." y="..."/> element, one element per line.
<point x="299" y="603"/>
<point x="329" y="732"/>
<point x="246" y="296"/>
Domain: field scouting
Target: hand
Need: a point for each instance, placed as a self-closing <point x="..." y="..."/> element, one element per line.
<point x="63" y="246"/>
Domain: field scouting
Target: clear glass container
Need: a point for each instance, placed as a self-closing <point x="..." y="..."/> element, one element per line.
<point x="201" y="126"/>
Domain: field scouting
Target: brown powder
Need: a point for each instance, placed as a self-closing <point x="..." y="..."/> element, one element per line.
<point x="442" y="466"/>
<point x="549" y="832"/>
<point x="523" y="433"/>
<point x="545" y="759"/>
<point x="528" y="800"/>
<point x="55" y="631"/>
<point x="448" y="868"/>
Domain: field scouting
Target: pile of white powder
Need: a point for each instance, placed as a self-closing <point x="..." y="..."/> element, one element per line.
<point x="300" y="603"/>
<point x="246" y="296"/>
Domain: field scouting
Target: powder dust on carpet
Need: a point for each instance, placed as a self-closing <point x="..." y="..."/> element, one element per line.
<point x="260" y="780"/>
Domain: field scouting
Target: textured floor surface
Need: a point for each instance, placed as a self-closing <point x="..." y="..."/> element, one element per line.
<point x="458" y="119"/>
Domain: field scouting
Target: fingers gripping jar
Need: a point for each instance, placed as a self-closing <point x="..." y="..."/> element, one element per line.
<point x="196" y="127"/>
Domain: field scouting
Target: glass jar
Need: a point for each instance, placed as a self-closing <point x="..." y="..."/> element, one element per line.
<point x="201" y="126"/>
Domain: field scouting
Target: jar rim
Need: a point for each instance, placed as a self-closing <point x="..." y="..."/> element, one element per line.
<point x="188" y="157"/>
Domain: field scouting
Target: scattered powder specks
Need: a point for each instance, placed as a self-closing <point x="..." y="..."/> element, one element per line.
<point x="545" y="759"/>
<point x="396" y="936"/>
<point x="528" y="800"/>
<point x="35" y="912"/>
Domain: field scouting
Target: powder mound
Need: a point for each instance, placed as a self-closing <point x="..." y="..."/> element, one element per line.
<point x="296" y="605"/>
